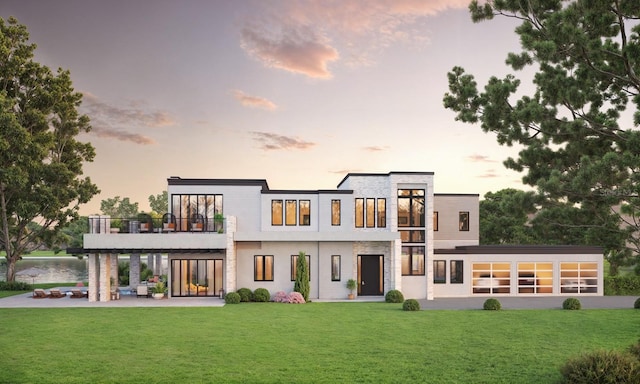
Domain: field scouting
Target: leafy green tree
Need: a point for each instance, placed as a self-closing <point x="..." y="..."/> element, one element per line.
<point x="73" y="232"/>
<point x="578" y="126"/>
<point x="40" y="158"/>
<point x="505" y="216"/>
<point x="119" y="207"/>
<point x="302" y="276"/>
<point x="159" y="203"/>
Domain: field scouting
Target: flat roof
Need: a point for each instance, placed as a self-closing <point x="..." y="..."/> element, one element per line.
<point x="521" y="249"/>
<point x="175" y="180"/>
<point x="383" y="174"/>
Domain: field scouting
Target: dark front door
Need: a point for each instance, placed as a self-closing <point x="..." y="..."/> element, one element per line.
<point x="370" y="269"/>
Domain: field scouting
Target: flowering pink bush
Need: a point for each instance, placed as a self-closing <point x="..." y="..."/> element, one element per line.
<point x="280" y="297"/>
<point x="296" y="298"/>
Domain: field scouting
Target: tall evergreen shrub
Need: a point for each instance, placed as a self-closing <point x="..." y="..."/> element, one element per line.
<point x="302" y="280"/>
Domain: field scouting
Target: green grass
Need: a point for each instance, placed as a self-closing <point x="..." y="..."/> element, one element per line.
<point x="310" y="343"/>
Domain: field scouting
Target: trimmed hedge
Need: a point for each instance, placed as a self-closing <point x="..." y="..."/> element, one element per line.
<point x="394" y="296"/>
<point x="622" y="285"/>
<point x="492" y="304"/>
<point x="636" y="304"/>
<point x="572" y="304"/>
<point x="245" y="295"/>
<point x="232" y="298"/>
<point x="411" y="305"/>
<point x="15" y="286"/>
<point x="261" y="295"/>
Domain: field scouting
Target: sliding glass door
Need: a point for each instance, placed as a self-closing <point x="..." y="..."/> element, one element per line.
<point x="191" y="277"/>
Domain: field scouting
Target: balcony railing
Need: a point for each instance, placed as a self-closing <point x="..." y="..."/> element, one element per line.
<point x="144" y="223"/>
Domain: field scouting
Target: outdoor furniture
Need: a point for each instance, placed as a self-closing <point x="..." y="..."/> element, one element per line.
<point x="39" y="293"/>
<point x="57" y="294"/>
<point x="142" y="290"/>
<point x="168" y="222"/>
<point x="78" y="294"/>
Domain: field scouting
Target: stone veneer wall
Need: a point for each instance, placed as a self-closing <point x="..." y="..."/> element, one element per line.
<point x="231" y="266"/>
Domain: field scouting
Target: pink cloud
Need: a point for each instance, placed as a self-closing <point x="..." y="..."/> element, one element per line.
<point x="272" y="141"/>
<point x="115" y="122"/>
<point x="376" y="148"/>
<point x="254" y="101"/>
<point x="294" y="50"/>
<point x="477" y="158"/>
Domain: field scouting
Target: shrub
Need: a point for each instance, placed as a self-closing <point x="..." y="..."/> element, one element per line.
<point x="601" y="367"/>
<point x="232" y="298"/>
<point x="411" y="305"/>
<point x="280" y="297"/>
<point x="622" y="285"/>
<point x="571" y="303"/>
<point x="636" y="305"/>
<point x="302" y="276"/>
<point x="295" y="298"/>
<point x="492" y="304"/>
<point x="635" y="350"/>
<point x="261" y="295"/>
<point x="245" y="294"/>
<point x="394" y="296"/>
<point x="15" y="286"/>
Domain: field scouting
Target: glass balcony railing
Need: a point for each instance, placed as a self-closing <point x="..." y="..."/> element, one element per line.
<point x="144" y="223"/>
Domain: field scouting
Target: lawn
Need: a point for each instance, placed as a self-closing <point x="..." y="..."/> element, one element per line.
<point x="315" y="342"/>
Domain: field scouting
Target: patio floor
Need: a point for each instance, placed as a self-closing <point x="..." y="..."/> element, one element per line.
<point x="588" y="302"/>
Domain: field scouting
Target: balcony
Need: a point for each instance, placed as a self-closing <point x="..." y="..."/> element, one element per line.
<point x="144" y="234"/>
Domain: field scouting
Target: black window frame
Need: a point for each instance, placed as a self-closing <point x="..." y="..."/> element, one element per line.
<point x="439" y="271"/>
<point x="264" y="267"/>
<point x="336" y="204"/>
<point x="463" y="224"/>
<point x="411" y="255"/>
<point x="301" y="218"/>
<point x="456" y="271"/>
<point x="336" y="268"/>
<point x="273" y="216"/>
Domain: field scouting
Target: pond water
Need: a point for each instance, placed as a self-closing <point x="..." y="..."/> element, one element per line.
<point x="53" y="269"/>
<point x="58" y="269"/>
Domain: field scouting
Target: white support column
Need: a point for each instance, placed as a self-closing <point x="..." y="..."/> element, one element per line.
<point x="231" y="257"/>
<point x="105" y="274"/>
<point x="94" y="280"/>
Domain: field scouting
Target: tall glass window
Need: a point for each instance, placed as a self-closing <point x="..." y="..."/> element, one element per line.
<point x="439" y="271"/>
<point x="276" y="212"/>
<point x="190" y="209"/>
<point x="411" y="208"/>
<point x="335" y="267"/>
<point x="413" y="261"/>
<point x="196" y="277"/>
<point x="335" y="212"/>
<point x="263" y="268"/>
<point x="359" y="213"/>
<point x="371" y="213"/>
<point x="382" y="213"/>
<point x="290" y="211"/>
<point x="435" y="220"/>
<point x="457" y="272"/>
<point x="463" y="221"/>
<point x="305" y="212"/>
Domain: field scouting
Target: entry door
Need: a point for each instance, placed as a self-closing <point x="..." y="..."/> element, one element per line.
<point x="370" y="280"/>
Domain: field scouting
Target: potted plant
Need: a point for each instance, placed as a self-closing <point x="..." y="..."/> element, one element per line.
<point x="218" y="220"/>
<point x="352" y="285"/>
<point x="159" y="290"/>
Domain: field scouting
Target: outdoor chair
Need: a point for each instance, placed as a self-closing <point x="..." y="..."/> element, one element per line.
<point x="142" y="290"/>
<point x="40" y="294"/>
<point x="56" y="294"/>
<point x="78" y="294"/>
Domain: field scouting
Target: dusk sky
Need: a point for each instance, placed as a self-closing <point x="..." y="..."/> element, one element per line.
<point x="295" y="92"/>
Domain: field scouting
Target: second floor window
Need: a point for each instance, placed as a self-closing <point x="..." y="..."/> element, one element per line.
<point x="276" y="212"/>
<point x="290" y="211"/>
<point x="411" y="208"/>
<point x="335" y="212"/>
<point x="370" y="209"/>
<point x="463" y="221"/>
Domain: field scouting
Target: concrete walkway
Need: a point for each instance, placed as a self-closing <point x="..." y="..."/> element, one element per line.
<point x="588" y="302"/>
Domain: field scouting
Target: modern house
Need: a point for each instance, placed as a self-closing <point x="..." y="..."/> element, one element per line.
<point x="385" y="230"/>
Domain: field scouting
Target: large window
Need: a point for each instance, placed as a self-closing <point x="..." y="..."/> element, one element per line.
<point x="371" y="212"/>
<point x="201" y="209"/>
<point x="335" y="212"/>
<point x="491" y="277"/>
<point x="191" y="277"/>
<point x="413" y="261"/>
<point x="276" y="212"/>
<point x="578" y="278"/>
<point x="463" y="221"/>
<point x="457" y="272"/>
<point x="335" y="267"/>
<point x="294" y="261"/>
<point x="411" y="207"/>
<point x="439" y="271"/>
<point x="535" y="277"/>
<point x="305" y="212"/>
<point x="290" y="211"/>
<point x="414" y="236"/>
<point x="263" y="268"/>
